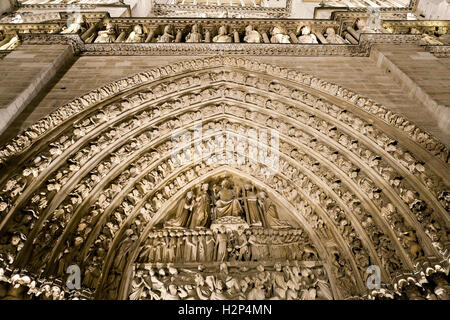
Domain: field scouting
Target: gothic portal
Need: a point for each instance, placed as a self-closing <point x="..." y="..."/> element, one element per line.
<point x="275" y="150"/>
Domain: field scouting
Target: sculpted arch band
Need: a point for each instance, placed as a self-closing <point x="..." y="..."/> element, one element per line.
<point x="97" y="184"/>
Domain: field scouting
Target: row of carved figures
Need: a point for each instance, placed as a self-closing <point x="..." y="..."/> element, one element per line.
<point x="224" y="34"/>
<point x="254" y="244"/>
<point x="276" y="34"/>
<point x="201" y="205"/>
<point x="431" y="286"/>
<point x="16" y="285"/>
<point x="281" y="282"/>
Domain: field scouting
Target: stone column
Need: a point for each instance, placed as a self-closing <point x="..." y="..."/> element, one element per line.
<point x="207" y="34"/>
<point x="179" y="35"/>
<point x="25" y="72"/>
<point x="265" y="37"/>
<point x="293" y="37"/>
<point x="122" y="37"/>
<point x="320" y="36"/>
<point x="236" y="36"/>
<point x="151" y="34"/>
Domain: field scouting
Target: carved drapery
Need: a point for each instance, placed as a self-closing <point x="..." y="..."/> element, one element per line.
<point x="365" y="184"/>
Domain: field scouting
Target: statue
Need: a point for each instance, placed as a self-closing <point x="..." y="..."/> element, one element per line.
<point x="332" y="37"/>
<point x="227" y="205"/>
<point x="222" y="36"/>
<point x="137" y="35"/>
<point x="279" y="285"/>
<point x="182" y="213"/>
<point x="166" y="36"/>
<point x="221" y="251"/>
<point x="269" y="212"/>
<point x="279" y="35"/>
<point x="194" y="35"/>
<point x="202" y="208"/>
<point x="251" y="35"/>
<point x="191" y="244"/>
<point x="77" y="26"/>
<point x="251" y="207"/>
<point x="108" y="35"/>
<point x="306" y="36"/>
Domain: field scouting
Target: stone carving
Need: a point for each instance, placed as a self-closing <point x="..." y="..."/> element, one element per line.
<point x="279" y="35"/>
<point x="427" y="38"/>
<point x="362" y="27"/>
<point x="78" y="25"/>
<point x="292" y="281"/>
<point x="137" y="35"/>
<point x="12" y="41"/>
<point x="332" y="37"/>
<point x="251" y="35"/>
<point x="108" y="35"/>
<point x="377" y="154"/>
<point x="222" y="36"/>
<point x="166" y="36"/>
<point x="306" y="36"/>
<point x="194" y="35"/>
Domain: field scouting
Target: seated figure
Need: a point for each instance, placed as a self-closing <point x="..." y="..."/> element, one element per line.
<point x="222" y="36"/>
<point x="306" y="36"/>
<point x="106" y="36"/>
<point x="227" y="205"/>
<point x="251" y="35"/>
<point x="194" y="35"/>
<point x="77" y="26"/>
<point x="166" y="36"/>
<point x="332" y="37"/>
<point x="137" y="35"/>
<point x="279" y="35"/>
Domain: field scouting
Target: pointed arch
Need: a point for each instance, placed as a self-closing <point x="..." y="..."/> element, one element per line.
<point x="371" y="176"/>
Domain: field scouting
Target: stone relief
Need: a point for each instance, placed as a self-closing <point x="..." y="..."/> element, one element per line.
<point x="108" y="35"/>
<point x="380" y="164"/>
<point x="282" y="281"/>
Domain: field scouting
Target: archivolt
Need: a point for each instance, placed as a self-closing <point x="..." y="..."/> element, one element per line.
<point x="73" y="182"/>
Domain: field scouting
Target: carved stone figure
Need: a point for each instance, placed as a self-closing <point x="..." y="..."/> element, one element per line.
<point x="222" y="36"/>
<point x="194" y="35"/>
<point x="77" y="26"/>
<point x="251" y="207"/>
<point x="183" y="212"/>
<point x="108" y="35"/>
<point x="279" y="35"/>
<point x="306" y="36"/>
<point x="251" y="35"/>
<point x="228" y="204"/>
<point x="332" y="37"/>
<point x="427" y="39"/>
<point x="166" y="36"/>
<point x="137" y="35"/>
<point x="201" y="213"/>
<point x="269" y="212"/>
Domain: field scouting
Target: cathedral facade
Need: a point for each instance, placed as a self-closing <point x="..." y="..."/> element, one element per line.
<point x="224" y="149"/>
